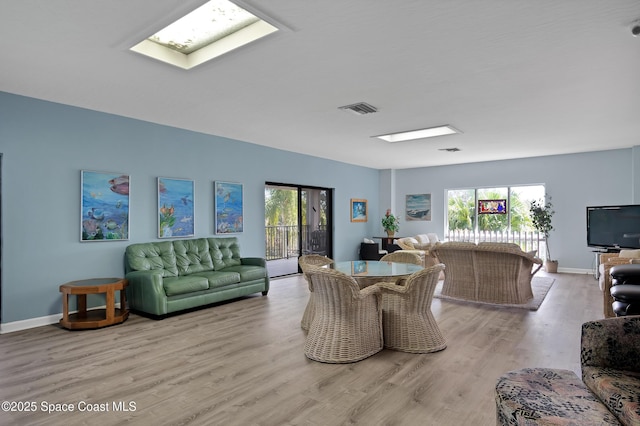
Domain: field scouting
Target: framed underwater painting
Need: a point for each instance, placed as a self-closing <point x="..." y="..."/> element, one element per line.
<point x="228" y="207"/>
<point x="104" y="206"/>
<point x="358" y="210"/>
<point x="175" y="207"/>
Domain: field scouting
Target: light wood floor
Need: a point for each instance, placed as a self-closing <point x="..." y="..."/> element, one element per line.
<point x="242" y="363"/>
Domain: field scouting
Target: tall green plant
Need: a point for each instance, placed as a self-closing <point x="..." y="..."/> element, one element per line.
<point x="541" y="215"/>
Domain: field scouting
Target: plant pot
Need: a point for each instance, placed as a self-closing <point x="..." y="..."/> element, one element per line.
<point x="551" y="266"/>
<point x="390" y="234"/>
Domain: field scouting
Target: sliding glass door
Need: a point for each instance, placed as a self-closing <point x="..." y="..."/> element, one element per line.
<point x="297" y="221"/>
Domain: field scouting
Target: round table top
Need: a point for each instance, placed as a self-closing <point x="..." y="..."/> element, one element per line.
<point x="375" y="268"/>
<point x="96" y="283"/>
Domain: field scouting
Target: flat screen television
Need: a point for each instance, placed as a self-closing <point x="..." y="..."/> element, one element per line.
<point x="613" y="227"/>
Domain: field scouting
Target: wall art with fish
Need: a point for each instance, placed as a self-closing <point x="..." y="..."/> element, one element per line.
<point x="175" y="207"/>
<point x="228" y="208"/>
<point x="104" y="206"/>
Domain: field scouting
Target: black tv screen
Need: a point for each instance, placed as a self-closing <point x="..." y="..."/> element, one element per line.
<point x="613" y="226"/>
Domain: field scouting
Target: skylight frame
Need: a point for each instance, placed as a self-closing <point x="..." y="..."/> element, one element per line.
<point x="246" y="35"/>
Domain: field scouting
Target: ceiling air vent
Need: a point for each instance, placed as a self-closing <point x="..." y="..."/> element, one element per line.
<point x="361" y="108"/>
<point x="449" y="149"/>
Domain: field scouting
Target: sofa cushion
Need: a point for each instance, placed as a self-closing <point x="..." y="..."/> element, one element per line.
<point x="619" y="390"/>
<point x="409" y="242"/>
<point x="422" y="238"/>
<point x="184" y="284"/>
<point x="544" y="396"/>
<point x="193" y="256"/>
<point x="219" y="278"/>
<point x="152" y="257"/>
<point x="248" y="272"/>
<point x="225" y="252"/>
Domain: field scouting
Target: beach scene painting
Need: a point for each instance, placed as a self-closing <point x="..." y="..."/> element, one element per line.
<point x="418" y="207"/>
<point x="228" y="207"/>
<point x="175" y="208"/>
<point x="104" y="206"/>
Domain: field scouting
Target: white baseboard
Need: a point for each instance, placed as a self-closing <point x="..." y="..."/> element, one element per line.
<point x="10" y="327"/>
<point x="575" y="271"/>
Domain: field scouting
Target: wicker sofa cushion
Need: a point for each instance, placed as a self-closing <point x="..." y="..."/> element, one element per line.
<point x="629" y="254"/>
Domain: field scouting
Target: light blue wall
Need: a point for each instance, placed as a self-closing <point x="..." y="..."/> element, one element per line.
<point x="44" y="147"/>
<point x="573" y="181"/>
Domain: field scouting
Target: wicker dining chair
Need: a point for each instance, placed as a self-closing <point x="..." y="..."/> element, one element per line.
<point x="407" y="321"/>
<point x="308" y="261"/>
<point x="347" y="326"/>
<point x="402" y="257"/>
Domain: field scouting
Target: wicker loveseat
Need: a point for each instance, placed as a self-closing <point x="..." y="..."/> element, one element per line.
<point x="487" y="272"/>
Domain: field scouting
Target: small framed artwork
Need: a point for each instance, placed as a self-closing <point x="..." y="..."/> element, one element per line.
<point x="492" y="206"/>
<point x="358" y="210"/>
<point x="418" y="207"/>
<point x="175" y="207"/>
<point x="228" y="207"/>
<point x="359" y="267"/>
<point x="104" y="206"/>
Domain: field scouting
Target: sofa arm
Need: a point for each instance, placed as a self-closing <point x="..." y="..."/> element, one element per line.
<point x="145" y="292"/>
<point x="611" y="343"/>
<point x="255" y="261"/>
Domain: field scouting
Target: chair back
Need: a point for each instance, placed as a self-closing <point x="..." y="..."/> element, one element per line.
<point x="422" y="284"/>
<point x="332" y="286"/>
<point x="402" y="257"/>
<point x="308" y="261"/>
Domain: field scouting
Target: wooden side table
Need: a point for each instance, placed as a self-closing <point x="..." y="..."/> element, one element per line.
<point x="94" y="318"/>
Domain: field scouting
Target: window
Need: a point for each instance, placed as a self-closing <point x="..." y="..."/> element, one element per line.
<point x="498" y="214"/>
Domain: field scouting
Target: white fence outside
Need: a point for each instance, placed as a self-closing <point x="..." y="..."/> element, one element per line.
<point x="528" y="241"/>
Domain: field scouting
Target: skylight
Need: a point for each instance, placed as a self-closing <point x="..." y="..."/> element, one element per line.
<point x="419" y="134"/>
<point x="215" y="28"/>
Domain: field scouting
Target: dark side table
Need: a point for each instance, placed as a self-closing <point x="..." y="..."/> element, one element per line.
<point x="94" y="318"/>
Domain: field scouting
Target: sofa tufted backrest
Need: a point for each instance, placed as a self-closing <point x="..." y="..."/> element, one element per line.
<point x="193" y="256"/>
<point x="224" y="252"/>
<point x="159" y="256"/>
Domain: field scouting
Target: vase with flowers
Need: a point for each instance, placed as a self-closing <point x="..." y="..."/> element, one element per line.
<point x="390" y="223"/>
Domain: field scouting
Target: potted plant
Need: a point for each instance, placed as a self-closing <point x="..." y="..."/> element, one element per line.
<point x="541" y="214"/>
<point x="390" y="223"/>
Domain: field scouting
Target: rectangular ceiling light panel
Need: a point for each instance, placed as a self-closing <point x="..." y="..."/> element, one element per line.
<point x="213" y="29"/>
<point x="419" y="134"/>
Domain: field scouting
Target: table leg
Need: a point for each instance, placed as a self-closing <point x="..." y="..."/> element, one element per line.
<point x="82" y="305"/>
<point x="123" y="300"/>
<point x="111" y="305"/>
<point x="65" y="307"/>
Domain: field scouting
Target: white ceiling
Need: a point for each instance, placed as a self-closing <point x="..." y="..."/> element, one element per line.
<point x="520" y="78"/>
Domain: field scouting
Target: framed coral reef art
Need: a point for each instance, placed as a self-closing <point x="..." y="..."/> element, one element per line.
<point x="228" y="207"/>
<point x="358" y="210"/>
<point x="175" y="207"/>
<point x="418" y="207"/>
<point x="104" y="206"/>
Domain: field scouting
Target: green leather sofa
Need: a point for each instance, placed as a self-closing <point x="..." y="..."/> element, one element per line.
<point x="171" y="276"/>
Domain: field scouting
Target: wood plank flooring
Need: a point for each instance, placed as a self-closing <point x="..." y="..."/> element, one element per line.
<point x="242" y="363"/>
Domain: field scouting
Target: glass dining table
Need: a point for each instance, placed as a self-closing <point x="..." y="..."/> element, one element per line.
<point x="369" y="272"/>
